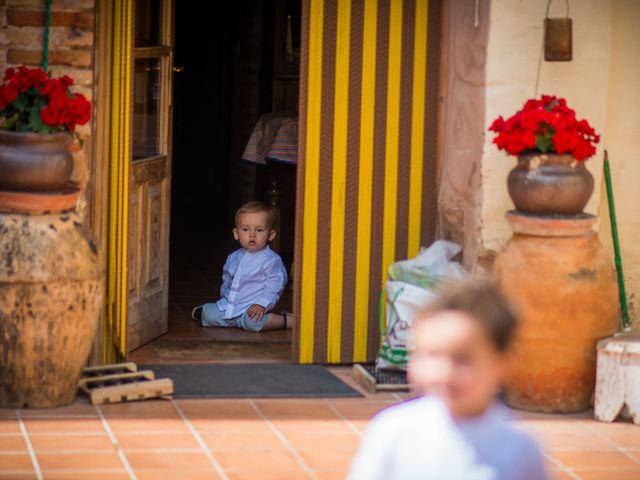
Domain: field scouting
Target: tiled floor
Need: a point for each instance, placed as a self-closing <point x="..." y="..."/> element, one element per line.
<point x="259" y="439"/>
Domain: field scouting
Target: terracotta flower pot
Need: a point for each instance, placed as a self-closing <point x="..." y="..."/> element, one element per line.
<point x="35" y="162"/>
<point x="550" y="184"/>
<point x="51" y="282"/>
<point x="561" y="281"/>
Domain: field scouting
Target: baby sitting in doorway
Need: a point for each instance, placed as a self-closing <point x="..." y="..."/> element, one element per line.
<point x="253" y="277"/>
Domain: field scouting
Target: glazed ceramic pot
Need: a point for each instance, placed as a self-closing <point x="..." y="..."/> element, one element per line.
<point x="35" y="162"/>
<point x="550" y="184"/>
<point x="51" y="283"/>
<point x="562" y="283"/>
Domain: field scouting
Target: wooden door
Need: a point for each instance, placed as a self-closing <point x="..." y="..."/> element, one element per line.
<point x="150" y="172"/>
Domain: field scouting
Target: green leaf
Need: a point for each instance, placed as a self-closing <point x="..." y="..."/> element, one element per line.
<point x="21" y="103"/>
<point x="35" y="124"/>
<point x="543" y="143"/>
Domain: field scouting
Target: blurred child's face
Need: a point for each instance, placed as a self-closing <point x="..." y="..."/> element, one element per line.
<point x="455" y="360"/>
<point x="252" y="231"/>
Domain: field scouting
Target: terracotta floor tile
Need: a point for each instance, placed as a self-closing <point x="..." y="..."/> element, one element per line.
<point x="176" y="474"/>
<point x="57" y="443"/>
<point x="341" y="441"/>
<point x="299" y="409"/>
<point x="9" y="426"/>
<point x="149" y="442"/>
<point x="80" y="408"/>
<point x="231" y="425"/>
<point x="331" y="474"/>
<point x="609" y="474"/>
<point x="268" y="474"/>
<point x="354" y="410"/>
<point x="12" y="443"/>
<point x="162" y="460"/>
<point x="148" y="409"/>
<point x="218" y="409"/>
<point x="242" y="460"/>
<point x="82" y="461"/>
<point x="18" y="476"/>
<point x="316" y="425"/>
<point x="63" y="425"/>
<point x="18" y="462"/>
<point x="552" y="441"/>
<point x="86" y="475"/>
<point x="552" y="426"/>
<point x="619" y="426"/>
<point x="360" y="424"/>
<point x="133" y="425"/>
<point x="327" y="459"/>
<point x="586" y="460"/>
<point x="627" y="438"/>
<point x="559" y="475"/>
<point x="243" y="441"/>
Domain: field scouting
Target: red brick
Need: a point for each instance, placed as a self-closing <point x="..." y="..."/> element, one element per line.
<point x="35" y="18"/>
<point x="71" y="58"/>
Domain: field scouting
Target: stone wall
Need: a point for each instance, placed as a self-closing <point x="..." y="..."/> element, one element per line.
<point x="71" y="42"/>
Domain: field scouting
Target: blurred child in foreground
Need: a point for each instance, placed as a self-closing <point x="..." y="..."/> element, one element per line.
<point x="455" y="429"/>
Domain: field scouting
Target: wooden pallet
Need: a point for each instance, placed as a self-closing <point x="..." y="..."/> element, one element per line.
<point x="366" y="377"/>
<point x="122" y="382"/>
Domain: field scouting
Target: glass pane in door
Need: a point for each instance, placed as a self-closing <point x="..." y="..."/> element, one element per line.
<point x="148" y="25"/>
<point x="146" y="108"/>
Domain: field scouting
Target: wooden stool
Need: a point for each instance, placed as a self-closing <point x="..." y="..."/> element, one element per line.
<point x="618" y="377"/>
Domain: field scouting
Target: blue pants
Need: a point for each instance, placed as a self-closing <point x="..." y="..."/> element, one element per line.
<point x="212" y="316"/>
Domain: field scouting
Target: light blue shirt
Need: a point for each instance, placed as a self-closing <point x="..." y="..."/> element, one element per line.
<point x="251" y="278"/>
<point x="420" y="440"/>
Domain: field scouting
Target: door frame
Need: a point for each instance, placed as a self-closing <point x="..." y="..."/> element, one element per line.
<point x="110" y="339"/>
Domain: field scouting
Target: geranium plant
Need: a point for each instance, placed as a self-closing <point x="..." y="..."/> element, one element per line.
<point x="32" y="101"/>
<point x="545" y="125"/>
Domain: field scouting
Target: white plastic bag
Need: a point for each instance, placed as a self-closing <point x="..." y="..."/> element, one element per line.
<point x="412" y="286"/>
<point x="430" y="265"/>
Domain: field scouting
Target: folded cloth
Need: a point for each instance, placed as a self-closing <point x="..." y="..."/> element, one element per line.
<point x="275" y="137"/>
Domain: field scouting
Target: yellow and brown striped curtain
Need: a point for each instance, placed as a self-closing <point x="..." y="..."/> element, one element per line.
<point x="118" y="144"/>
<point x="366" y="175"/>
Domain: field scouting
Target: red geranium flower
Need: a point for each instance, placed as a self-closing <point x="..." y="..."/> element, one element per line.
<point x="32" y="101"/>
<point x="545" y="125"/>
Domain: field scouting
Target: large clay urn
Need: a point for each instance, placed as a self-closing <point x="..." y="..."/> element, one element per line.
<point x="563" y="284"/>
<point x="50" y="299"/>
<point x="547" y="183"/>
<point x="34" y="162"/>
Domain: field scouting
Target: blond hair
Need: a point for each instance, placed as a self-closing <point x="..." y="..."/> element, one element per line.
<point x="258" y="207"/>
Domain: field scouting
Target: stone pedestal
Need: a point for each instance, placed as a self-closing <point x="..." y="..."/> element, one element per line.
<point x="50" y="299"/>
<point x="563" y="285"/>
<point x="618" y="377"/>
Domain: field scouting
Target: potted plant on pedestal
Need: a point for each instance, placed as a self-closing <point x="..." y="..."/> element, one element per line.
<point x="553" y="269"/>
<point x="50" y="267"/>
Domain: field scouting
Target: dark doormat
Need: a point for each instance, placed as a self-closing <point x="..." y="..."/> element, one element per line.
<point x="252" y="380"/>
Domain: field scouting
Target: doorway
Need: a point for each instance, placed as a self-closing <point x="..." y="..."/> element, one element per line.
<point x="229" y="69"/>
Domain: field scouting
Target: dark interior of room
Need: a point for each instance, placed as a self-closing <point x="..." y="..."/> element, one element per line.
<point x="225" y="84"/>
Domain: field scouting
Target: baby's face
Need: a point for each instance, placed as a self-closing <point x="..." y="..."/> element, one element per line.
<point x="455" y="360"/>
<point x="252" y="231"/>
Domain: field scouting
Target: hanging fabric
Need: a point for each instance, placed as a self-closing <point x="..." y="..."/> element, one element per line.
<point x="119" y="153"/>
